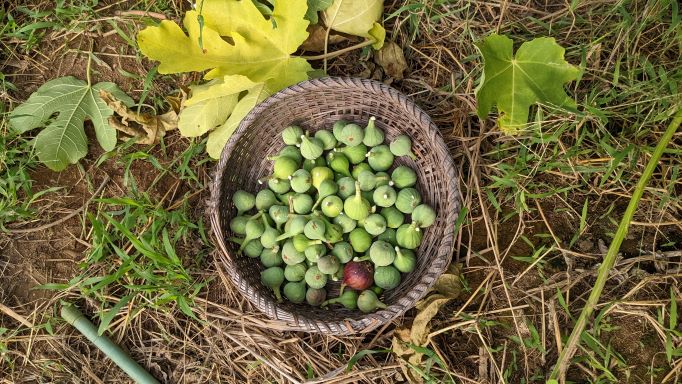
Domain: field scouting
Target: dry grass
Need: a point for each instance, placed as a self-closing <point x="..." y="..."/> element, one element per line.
<point x="542" y="208"/>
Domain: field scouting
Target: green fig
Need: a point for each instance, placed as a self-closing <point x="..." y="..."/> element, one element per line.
<point x="404" y="177"/>
<point x="375" y="224"/>
<point x="394" y="218"/>
<point x="308" y="164"/>
<point x="360" y="240"/>
<point x="253" y="249"/>
<point x="295" y="291"/>
<point x="388" y="236"/>
<point x="407" y="200"/>
<point x="373" y="135"/>
<point x="279" y="214"/>
<point x="409" y="236"/>
<point x="352" y="135"/>
<point x="291" y="135"/>
<point x="253" y="229"/>
<point x="284" y="167"/>
<point x="326" y="188"/>
<point x="269" y="237"/>
<point x="301" y="242"/>
<point x="291" y="255"/>
<point x="424" y="215"/>
<point x="295" y="272"/>
<point x="369" y="302"/>
<point x="315" y="296"/>
<point x="314" y="229"/>
<point x="333" y="233"/>
<point x="328" y="264"/>
<point x="385" y="196"/>
<point x="280" y="186"/>
<point x="265" y="199"/>
<point x="343" y="252"/>
<point x="273" y="278"/>
<point x="360" y="168"/>
<point x="331" y="206"/>
<point x="387" y="277"/>
<point x="314" y="252"/>
<point x="311" y="148"/>
<point x="367" y="181"/>
<point x="380" y="158"/>
<point x="405" y="260"/>
<point x="381" y="253"/>
<point x="243" y="201"/>
<point x="295" y="224"/>
<point x="338" y="128"/>
<point x="338" y="162"/>
<point x="356" y="154"/>
<point x="346" y="187"/>
<point x="402" y="146"/>
<point x="301" y="181"/>
<point x="292" y="152"/>
<point x="326" y="138"/>
<point x="321" y="174"/>
<point x="238" y="224"/>
<point x="382" y="178"/>
<point x="356" y="207"/>
<point x="348" y="299"/>
<point x="347" y="224"/>
<point x="315" y="278"/>
<point x="302" y="203"/>
<point x="270" y="257"/>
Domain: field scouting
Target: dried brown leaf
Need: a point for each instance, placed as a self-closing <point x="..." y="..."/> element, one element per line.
<point x="392" y="60"/>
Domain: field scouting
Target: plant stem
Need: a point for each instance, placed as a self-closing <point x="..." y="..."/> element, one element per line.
<point x="569" y="349"/>
<point x="340" y="51"/>
<point x="74" y="317"/>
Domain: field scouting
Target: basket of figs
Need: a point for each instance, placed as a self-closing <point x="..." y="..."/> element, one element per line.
<point x="333" y="206"/>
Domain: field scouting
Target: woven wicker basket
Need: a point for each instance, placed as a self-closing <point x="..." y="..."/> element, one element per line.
<point x="317" y="104"/>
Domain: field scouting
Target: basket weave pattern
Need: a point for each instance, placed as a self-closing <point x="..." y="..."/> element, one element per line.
<point x="314" y="105"/>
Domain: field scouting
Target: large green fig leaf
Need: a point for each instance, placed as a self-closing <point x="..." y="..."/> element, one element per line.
<point x="536" y="74"/>
<point x="357" y="17"/>
<point x="63" y="141"/>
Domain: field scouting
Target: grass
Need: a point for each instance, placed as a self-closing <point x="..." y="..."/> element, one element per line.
<point x="541" y="209"/>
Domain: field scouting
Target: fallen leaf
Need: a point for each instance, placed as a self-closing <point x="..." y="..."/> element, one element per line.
<point x="390" y="57"/>
<point x="357" y="17"/>
<point x="536" y="73"/>
<point x="146" y="128"/>
<point x="315" y="40"/>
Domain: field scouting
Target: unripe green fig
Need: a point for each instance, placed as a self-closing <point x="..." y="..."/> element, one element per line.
<point x="405" y="260"/>
<point x="301" y="181"/>
<point x="385" y="196"/>
<point x="295" y="291"/>
<point x="383" y="178"/>
<point x="403" y="177"/>
<point x="291" y="135"/>
<point x="295" y="272"/>
<point x="295" y="224"/>
<point x="253" y="249"/>
<point x="291" y="255"/>
<point x="253" y="229"/>
<point x="339" y="163"/>
<point x="308" y="164"/>
<point x="387" y="277"/>
<point x="360" y="168"/>
<point x="315" y="278"/>
<point x="243" y="201"/>
<point x="381" y="253"/>
<point x="315" y="296"/>
<point x="326" y="138"/>
<point x="292" y="152"/>
<point x="409" y="236"/>
<point x="380" y="158"/>
<point x="269" y="237"/>
<point x="265" y="199"/>
<point x="238" y="224"/>
<point x="347" y="224"/>
<point x="356" y="154"/>
<point x="367" y="181"/>
<point x="280" y="186"/>
<point x="279" y="214"/>
<point x="343" y="252"/>
<point x="270" y="257"/>
<point x="328" y="265"/>
<point x="326" y="188"/>
<point x="375" y="224"/>
<point x="314" y="252"/>
<point x="352" y="135"/>
<point x="321" y="174"/>
<point x="311" y="148"/>
<point x="348" y="299"/>
<point x="284" y="167"/>
<point x="314" y="229"/>
<point x="389" y="236"/>
<point x="356" y="207"/>
<point x="301" y="242"/>
<point x="333" y="233"/>
<point x="394" y="218"/>
<point x="331" y="206"/>
<point x="369" y="196"/>
<point x="360" y="240"/>
<point x="273" y="278"/>
<point x="346" y="187"/>
<point x="302" y="203"/>
<point x="369" y="302"/>
<point x="402" y="146"/>
<point x="407" y="200"/>
<point x="424" y="215"/>
<point x="338" y="128"/>
<point x="373" y="135"/>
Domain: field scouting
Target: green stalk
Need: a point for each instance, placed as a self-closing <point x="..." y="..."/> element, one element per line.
<point x="610" y="258"/>
<point x="74" y="317"/>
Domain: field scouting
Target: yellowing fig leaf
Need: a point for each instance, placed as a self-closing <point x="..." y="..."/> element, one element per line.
<point x="357" y="17"/>
<point x="536" y="74"/>
<point x="63" y="141"/>
<point x="259" y="48"/>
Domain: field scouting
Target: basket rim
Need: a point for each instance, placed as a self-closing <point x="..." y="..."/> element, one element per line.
<point x="369" y="321"/>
